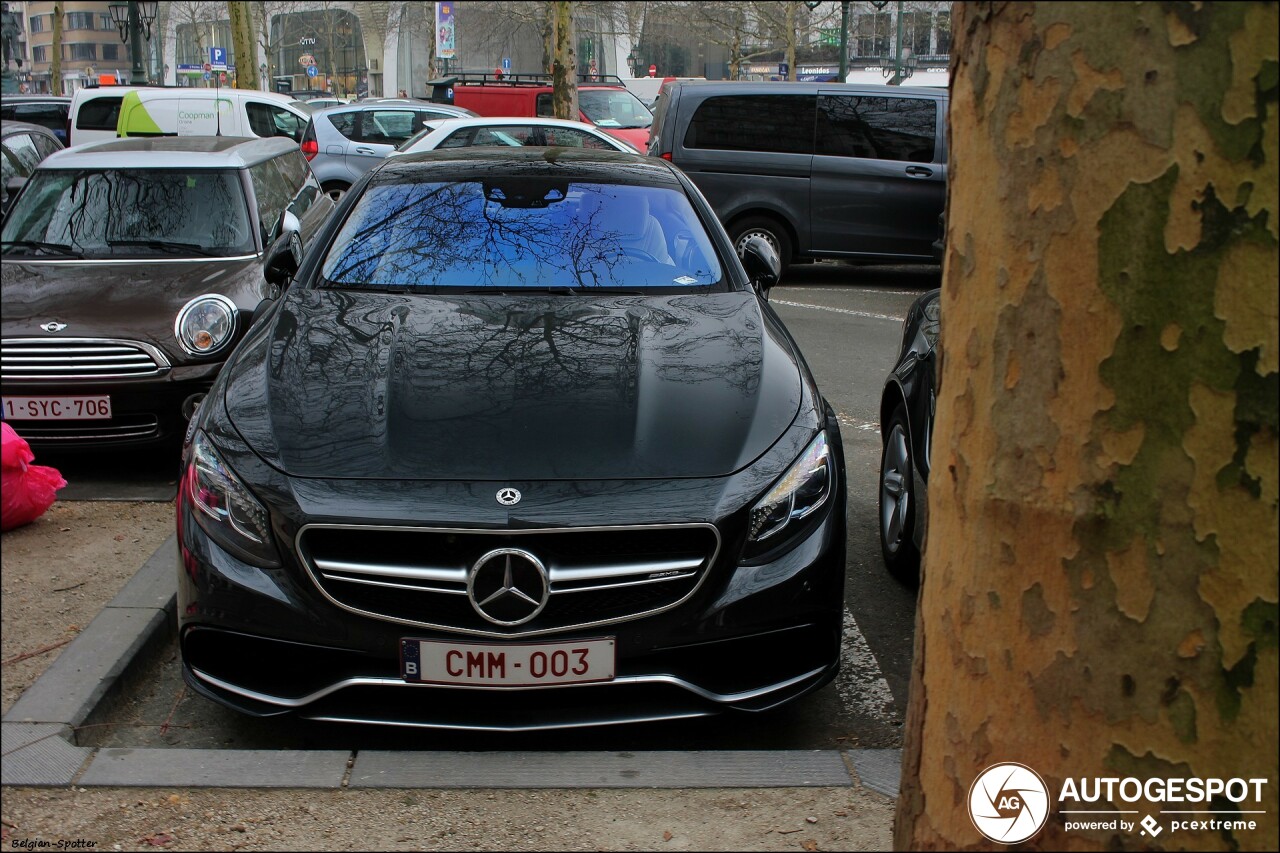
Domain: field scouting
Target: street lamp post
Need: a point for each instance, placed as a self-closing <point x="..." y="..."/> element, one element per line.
<point x="131" y="19"/>
<point x="844" y="34"/>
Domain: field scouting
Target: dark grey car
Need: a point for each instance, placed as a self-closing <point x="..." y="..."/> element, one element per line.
<point x="820" y="170"/>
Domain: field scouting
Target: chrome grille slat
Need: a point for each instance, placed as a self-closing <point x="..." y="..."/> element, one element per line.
<point x="79" y="358"/>
<point x="390" y="585"/>
<point x="596" y="575"/>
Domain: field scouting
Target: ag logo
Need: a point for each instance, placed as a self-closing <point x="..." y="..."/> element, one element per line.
<point x="1008" y="803"/>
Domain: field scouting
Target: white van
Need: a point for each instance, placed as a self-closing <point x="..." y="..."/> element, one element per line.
<point x="108" y="112"/>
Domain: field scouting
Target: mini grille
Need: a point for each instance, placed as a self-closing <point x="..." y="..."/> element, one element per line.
<point x="78" y="358"/>
<point x="419" y="576"/>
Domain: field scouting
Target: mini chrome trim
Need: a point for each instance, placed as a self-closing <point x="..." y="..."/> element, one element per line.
<point x="95" y="348"/>
<point x="644" y="582"/>
<point x="308" y="565"/>
<point x="120" y="261"/>
<point x="561" y="575"/>
<point x="619" y="721"/>
<point x="231" y="310"/>
<point x="376" y="681"/>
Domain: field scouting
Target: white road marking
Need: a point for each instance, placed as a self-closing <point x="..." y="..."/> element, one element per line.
<point x="869" y="314"/>
<point x="847" y="421"/>
<point x="861" y="684"/>
<point x="788" y="288"/>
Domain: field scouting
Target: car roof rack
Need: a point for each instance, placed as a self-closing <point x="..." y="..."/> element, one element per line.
<point x="491" y="78"/>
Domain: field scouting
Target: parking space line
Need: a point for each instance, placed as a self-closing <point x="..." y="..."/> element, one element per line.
<point x="850" y="311"/>
<point x="861" y="685"/>
<point x="847" y="421"/>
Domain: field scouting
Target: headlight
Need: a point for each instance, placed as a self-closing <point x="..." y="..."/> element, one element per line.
<point x="225" y="508"/>
<point x="795" y="496"/>
<point x="206" y="324"/>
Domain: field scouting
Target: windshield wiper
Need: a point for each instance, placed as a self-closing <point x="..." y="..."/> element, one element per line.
<point x="59" y="248"/>
<point x="165" y="246"/>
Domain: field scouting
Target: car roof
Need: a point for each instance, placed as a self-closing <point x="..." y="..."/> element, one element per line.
<point x="780" y="87"/>
<point x="37" y="99"/>
<point x="171" y="152"/>
<point x="545" y="121"/>
<point x="12" y="127"/>
<point x="481" y="163"/>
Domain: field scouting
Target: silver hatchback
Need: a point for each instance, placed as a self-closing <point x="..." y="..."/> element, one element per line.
<point x="344" y="142"/>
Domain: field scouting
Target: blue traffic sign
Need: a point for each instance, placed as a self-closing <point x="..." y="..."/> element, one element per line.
<point x="506" y="63"/>
<point x="312" y="71"/>
<point x="218" y="57"/>
<point x="208" y="75"/>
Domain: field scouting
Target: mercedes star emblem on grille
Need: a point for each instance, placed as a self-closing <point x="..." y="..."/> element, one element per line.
<point x="508" y="586"/>
<point x="508" y="496"/>
<point x="55" y="326"/>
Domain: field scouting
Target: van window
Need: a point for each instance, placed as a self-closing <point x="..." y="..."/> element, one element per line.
<point x="543" y="105"/>
<point x="99" y="114"/>
<point x="51" y="115"/>
<point x="877" y="128"/>
<point x="777" y="123"/>
<point x="268" y="120"/>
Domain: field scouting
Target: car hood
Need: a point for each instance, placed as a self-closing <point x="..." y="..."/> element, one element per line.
<point x="513" y="388"/>
<point x="136" y="301"/>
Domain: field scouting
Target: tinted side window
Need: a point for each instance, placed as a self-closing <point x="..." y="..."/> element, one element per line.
<point x="388" y="127"/>
<point x="543" y="105"/>
<point x="272" y="194"/>
<point x="780" y="123"/>
<point x="99" y="114"/>
<point x="46" y="146"/>
<point x="297" y="175"/>
<point x="52" y="116"/>
<point x="344" y="123"/>
<point x="267" y="120"/>
<point x="23" y="150"/>
<point x="878" y="128"/>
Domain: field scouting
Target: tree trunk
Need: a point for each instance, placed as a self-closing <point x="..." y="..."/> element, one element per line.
<point x="1099" y="593"/>
<point x="564" y="63"/>
<point x="243" y="44"/>
<point x="55" y="51"/>
<point x="548" y="30"/>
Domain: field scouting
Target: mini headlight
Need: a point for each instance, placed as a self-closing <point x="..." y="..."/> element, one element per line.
<point x="796" y="495"/>
<point x="225" y="508"/>
<point x="206" y="324"/>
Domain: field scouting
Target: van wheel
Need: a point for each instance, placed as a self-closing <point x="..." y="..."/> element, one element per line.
<point x="762" y="226"/>
<point x="335" y="190"/>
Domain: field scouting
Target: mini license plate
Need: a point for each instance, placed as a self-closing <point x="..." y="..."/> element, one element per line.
<point x="57" y="408"/>
<point x="507" y="664"/>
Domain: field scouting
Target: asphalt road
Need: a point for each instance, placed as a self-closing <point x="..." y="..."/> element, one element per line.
<point x="848" y="321"/>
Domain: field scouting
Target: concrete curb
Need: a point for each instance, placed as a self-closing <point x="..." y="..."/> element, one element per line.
<point x="93" y="672"/>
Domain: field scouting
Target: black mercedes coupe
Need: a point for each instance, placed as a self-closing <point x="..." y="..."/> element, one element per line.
<point x="522" y="445"/>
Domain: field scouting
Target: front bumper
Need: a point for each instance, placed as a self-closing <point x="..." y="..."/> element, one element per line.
<point x="748" y="638"/>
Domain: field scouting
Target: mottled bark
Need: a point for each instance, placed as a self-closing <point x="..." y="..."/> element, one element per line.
<point x="1099" y="593"/>
<point x="564" y="62"/>
<point x="55" y="51"/>
<point x="244" y="45"/>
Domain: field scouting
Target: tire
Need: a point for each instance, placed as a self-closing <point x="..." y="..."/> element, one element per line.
<point x="897" y="510"/>
<point x="766" y="227"/>
<point x="335" y="190"/>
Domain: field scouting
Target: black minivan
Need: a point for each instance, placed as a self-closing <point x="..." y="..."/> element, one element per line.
<point x="820" y="170"/>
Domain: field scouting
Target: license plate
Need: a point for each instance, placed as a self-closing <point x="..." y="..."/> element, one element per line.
<point x="507" y="664"/>
<point x="56" y="408"/>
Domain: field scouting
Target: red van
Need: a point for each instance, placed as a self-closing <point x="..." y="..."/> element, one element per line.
<point x="603" y="100"/>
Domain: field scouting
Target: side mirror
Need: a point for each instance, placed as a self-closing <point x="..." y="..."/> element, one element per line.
<point x="11" y="188"/>
<point x="285" y="255"/>
<point x="762" y="264"/>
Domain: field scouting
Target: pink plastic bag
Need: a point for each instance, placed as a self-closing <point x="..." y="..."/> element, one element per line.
<point x="26" y="490"/>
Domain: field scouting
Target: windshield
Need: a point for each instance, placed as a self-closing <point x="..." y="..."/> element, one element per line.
<point x="614" y="108"/>
<point x="513" y="233"/>
<point x="130" y="213"/>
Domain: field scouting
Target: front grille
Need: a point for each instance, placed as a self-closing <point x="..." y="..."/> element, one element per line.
<point x="119" y="428"/>
<point x="418" y="576"/>
<point x="35" y="359"/>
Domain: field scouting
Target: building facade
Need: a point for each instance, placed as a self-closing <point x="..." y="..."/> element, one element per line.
<point x="91" y="45"/>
